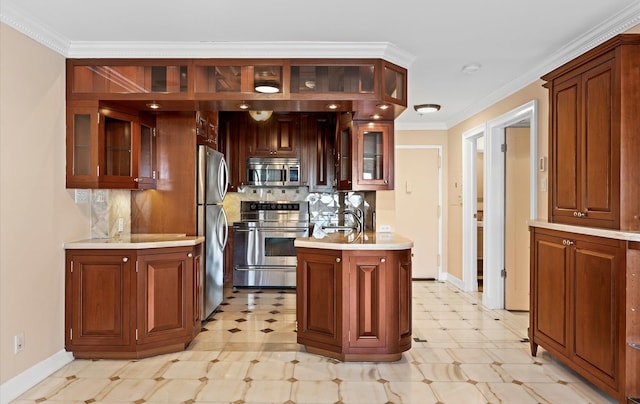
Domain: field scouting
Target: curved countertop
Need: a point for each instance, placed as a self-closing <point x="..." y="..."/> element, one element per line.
<point x="363" y="241"/>
<point x="135" y="242"/>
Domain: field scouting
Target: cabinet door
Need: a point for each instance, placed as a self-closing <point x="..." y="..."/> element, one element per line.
<point x="600" y="150"/>
<point x="344" y="153"/>
<point x="319" y="312"/>
<point x="147" y="168"/>
<point x="118" y="149"/>
<point x="165" y="300"/>
<point x="403" y="275"/>
<point x="598" y="291"/>
<point x="551" y="288"/>
<point x="565" y="156"/>
<point x="286" y="136"/>
<point x="374" y="156"/>
<point x="367" y="301"/>
<point x="82" y="146"/>
<point x="319" y="167"/>
<point x="99" y="310"/>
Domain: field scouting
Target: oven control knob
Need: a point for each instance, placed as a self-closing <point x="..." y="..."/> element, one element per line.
<point x="273" y="206"/>
<point x="253" y="206"/>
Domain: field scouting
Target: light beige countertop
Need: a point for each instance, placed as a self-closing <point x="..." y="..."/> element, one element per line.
<point x="363" y="241"/>
<point x="590" y="231"/>
<point x="136" y="242"/>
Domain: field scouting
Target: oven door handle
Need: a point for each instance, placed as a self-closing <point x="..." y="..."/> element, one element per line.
<point x="282" y="229"/>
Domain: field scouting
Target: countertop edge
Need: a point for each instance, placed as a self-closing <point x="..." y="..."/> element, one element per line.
<point x="114" y="244"/>
<point x="591" y="231"/>
<point x="379" y="241"/>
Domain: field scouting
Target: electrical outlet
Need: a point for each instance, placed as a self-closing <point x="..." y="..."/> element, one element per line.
<point x="120" y="225"/>
<point x="385" y="228"/>
<point x="18" y="343"/>
<point x="82" y="196"/>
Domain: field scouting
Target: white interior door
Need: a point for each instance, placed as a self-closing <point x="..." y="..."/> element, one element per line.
<point x="517" y="190"/>
<point x="417" y="191"/>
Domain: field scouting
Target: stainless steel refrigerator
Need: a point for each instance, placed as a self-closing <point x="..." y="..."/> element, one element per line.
<point x="212" y="181"/>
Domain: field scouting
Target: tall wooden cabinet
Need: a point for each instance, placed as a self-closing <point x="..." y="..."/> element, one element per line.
<point x="594" y="147"/>
<point x="131" y="303"/>
<point x="354" y="305"/>
<point x="584" y="262"/>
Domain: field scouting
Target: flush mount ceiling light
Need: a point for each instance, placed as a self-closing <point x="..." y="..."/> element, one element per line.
<point x="154" y="105"/>
<point x="267" y="86"/>
<point x="260" y="115"/>
<point x="426" y="108"/>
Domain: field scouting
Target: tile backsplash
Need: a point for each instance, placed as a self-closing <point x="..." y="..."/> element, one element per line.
<point x="109" y="207"/>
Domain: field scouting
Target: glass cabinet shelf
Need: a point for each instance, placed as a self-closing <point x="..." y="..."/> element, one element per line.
<point x="350" y="79"/>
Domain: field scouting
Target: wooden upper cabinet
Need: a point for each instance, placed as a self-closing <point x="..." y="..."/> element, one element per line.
<point x="109" y="148"/>
<point x="593" y="142"/>
<point x="136" y="76"/>
<point x="373" y="143"/>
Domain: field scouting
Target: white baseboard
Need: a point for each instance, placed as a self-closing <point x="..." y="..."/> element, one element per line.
<point x="15" y="387"/>
<point x="455" y="281"/>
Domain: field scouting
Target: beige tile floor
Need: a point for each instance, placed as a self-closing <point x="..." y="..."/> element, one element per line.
<point x="462" y="353"/>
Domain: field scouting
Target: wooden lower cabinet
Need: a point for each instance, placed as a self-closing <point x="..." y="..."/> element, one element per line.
<point x="354" y="305"/>
<point x="580" y="308"/>
<point x="131" y="303"/>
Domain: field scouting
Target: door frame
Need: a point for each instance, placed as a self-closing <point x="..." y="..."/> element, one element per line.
<point x="441" y="276"/>
<point x="493" y="200"/>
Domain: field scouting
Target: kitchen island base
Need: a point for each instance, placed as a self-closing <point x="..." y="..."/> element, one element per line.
<point x="354" y="305"/>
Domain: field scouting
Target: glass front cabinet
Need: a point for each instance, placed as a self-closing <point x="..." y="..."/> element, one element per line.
<point x="108" y="148"/>
<point x="365" y="156"/>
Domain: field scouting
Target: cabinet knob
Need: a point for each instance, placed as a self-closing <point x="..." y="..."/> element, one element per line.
<point x="567" y="242"/>
<point x="338" y="260"/>
<point x="136" y="180"/>
<point x="382" y="260"/>
<point x="125" y="259"/>
<point x="386" y="182"/>
<point x="190" y="255"/>
<point x="579" y="214"/>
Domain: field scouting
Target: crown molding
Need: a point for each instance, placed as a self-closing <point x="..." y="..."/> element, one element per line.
<point x="241" y="50"/>
<point x="609" y="28"/>
<point x="27" y="26"/>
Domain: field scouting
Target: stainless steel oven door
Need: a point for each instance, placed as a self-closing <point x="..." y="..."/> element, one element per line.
<point x="265" y="256"/>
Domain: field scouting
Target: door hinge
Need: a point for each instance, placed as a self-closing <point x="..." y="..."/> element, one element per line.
<point x="98" y="118"/>
<point x="503" y="147"/>
<point x="296" y="329"/>
<point x="153" y="132"/>
<point x="71" y="334"/>
<point x="98" y="170"/>
<point x="503" y="273"/>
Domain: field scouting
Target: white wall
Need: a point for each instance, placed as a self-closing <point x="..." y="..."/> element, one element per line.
<point x="37" y="213"/>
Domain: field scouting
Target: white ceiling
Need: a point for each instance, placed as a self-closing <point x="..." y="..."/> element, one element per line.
<point x="514" y="41"/>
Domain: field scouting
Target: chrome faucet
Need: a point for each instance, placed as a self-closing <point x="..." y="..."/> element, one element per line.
<point x="358" y="217"/>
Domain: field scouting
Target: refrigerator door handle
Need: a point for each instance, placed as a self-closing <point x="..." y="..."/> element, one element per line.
<point x="223" y="172"/>
<point x="223" y="225"/>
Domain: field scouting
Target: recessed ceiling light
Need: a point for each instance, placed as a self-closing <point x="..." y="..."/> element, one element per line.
<point x="154" y="105"/>
<point x="471" y="68"/>
<point x="333" y="106"/>
<point x="244" y="105"/>
<point x="383" y="106"/>
<point x="375" y="116"/>
<point x="426" y="108"/>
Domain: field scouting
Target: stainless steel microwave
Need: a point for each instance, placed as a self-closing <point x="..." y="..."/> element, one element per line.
<point x="273" y="171"/>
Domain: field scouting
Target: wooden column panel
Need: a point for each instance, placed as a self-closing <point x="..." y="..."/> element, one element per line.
<point x="367" y="301"/>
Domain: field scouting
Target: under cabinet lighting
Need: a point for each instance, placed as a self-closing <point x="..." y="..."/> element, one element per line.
<point x="154" y="105"/>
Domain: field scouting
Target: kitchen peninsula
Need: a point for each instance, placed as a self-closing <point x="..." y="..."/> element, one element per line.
<point x="354" y="295"/>
<point x="132" y="296"/>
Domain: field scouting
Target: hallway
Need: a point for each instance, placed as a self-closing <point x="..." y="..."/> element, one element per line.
<point x="247" y="353"/>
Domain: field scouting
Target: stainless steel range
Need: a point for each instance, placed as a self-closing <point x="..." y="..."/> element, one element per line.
<point x="263" y="250"/>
